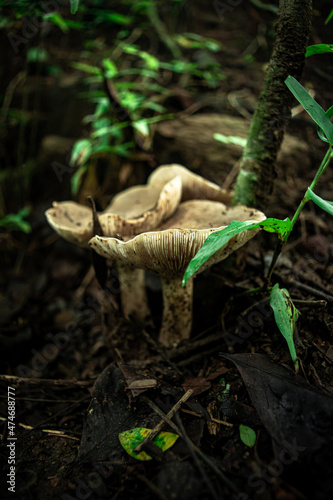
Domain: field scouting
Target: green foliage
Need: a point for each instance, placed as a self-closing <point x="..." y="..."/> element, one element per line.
<point x="316" y="112"/>
<point x="247" y="435"/>
<point x="129" y="440"/>
<point x="285" y="312"/>
<point x="286" y="315"/>
<point x="321" y="48"/>
<point x="137" y="78"/>
<point x="323" y="204"/>
<point x="16" y="222"/>
<point x="219" y="239"/>
<point x="74" y="6"/>
<point x="230" y="139"/>
<point x="329" y="17"/>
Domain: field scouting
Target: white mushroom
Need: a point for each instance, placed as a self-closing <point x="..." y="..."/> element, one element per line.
<point x="194" y="187"/>
<point x="168" y="250"/>
<point x="137" y="209"/>
<point x="131" y="212"/>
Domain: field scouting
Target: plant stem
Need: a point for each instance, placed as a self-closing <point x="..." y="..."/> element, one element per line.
<point x="281" y="243"/>
<point x="177" y="311"/>
<point x="321" y="170"/>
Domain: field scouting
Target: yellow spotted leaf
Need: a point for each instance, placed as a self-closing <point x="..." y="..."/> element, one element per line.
<point x="131" y="439"/>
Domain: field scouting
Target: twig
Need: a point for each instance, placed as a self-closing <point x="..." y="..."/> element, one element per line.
<point x="209" y="462"/>
<point x="195" y="448"/>
<point x="151" y="486"/>
<point x="196" y="460"/>
<point x="44" y="381"/>
<point x="47" y="431"/>
<point x="216" y="420"/>
<point x="160" y="425"/>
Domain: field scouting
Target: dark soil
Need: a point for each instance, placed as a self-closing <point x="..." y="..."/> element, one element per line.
<point x="71" y="363"/>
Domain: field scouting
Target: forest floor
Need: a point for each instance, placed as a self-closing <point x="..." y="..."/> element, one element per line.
<point x="71" y="368"/>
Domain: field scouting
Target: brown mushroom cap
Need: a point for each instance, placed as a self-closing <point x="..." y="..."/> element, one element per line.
<point x="194" y="186"/>
<point x="168" y="250"/>
<point x="137" y="209"/>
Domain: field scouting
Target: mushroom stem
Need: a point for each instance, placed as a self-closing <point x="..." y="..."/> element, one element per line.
<point x="177" y="311"/>
<point x="134" y="301"/>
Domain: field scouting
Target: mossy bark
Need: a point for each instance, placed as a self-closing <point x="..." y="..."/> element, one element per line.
<point x="256" y="177"/>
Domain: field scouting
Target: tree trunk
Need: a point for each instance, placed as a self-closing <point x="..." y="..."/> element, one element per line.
<point x="256" y="177"/>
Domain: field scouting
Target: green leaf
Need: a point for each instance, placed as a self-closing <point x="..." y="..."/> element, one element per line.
<point x="323" y="204"/>
<point x="131" y="439"/>
<point x="110" y="68"/>
<point x="37" y="54"/>
<point x="80" y="152"/>
<point x="77" y="177"/>
<point x="286" y="315"/>
<point x="321" y="134"/>
<point x="117" y="18"/>
<point x="217" y="240"/>
<point x="142" y="127"/>
<point x="87" y="68"/>
<point x="311" y="107"/>
<point x="329" y="17"/>
<point x="58" y="20"/>
<point x="247" y="435"/>
<point x="320" y="48"/>
<point x="230" y="139"/>
<point x="74" y="6"/>
<point x="15" y="222"/>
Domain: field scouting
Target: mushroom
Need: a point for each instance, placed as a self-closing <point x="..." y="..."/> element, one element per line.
<point x="131" y="212"/>
<point x="194" y="186"/>
<point x="137" y="209"/>
<point x="168" y="250"/>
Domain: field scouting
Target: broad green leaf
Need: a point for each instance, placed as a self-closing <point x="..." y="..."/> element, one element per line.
<point x="80" y="152"/>
<point x="74" y="6"/>
<point x="131" y="439"/>
<point x="247" y="435"/>
<point x="311" y="107"/>
<point x="320" y="48"/>
<point x="323" y="204"/>
<point x="329" y="17"/>
<point x="217" y="240"/>
<point x="286" y="315"/>
<point x="227" y="139"/>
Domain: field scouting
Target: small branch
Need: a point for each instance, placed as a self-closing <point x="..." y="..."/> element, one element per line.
<point x="43" y="381"/>
<point x="216" y="420"/>
<point x="160" y="425"/>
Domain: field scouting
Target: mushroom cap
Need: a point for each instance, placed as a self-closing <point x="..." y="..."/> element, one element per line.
<point x="168" y="250"/>
<point x="137" y="209"/>
<point x="194" y="186"/>
<point x="71" y="221"/>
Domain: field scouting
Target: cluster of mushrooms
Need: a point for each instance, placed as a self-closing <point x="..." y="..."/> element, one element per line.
<point x="158" y="227"/>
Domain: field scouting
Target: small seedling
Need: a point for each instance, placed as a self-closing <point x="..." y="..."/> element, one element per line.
<point x="285" y="312"/>
<point x="247" y="435"/>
